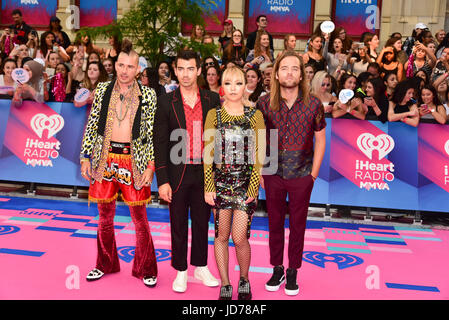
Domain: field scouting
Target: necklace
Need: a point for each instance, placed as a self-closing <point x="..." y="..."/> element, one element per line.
<point x="124" y="99"/>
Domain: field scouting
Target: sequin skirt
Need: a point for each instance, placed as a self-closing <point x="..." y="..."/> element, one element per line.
<point x="231" y="186"/>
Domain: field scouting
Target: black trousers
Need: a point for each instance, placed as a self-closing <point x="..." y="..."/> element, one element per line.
<point x="190" y="195"/>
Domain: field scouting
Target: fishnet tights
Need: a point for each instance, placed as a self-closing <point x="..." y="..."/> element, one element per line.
<point x="239" y="237"/>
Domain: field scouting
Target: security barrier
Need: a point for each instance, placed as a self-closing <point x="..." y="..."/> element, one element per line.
<point x="366" y="164"/>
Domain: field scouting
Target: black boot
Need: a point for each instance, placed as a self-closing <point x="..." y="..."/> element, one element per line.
<point x="226" y="293"/>
<point x="244" y="290"/>
<point x="276" y="279"/>
<point x="291" y="287"/>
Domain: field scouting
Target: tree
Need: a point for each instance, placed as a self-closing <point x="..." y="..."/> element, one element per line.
<point x="154" y="27"/>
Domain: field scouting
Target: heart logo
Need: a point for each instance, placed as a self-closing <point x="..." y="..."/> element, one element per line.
<point x="20" y="75"/>
<point x="8" y="230"/>
<point x="53" y="124"/>
<point x="383" y="143"/>
<point x="342" y="260"/>
<point x="127" y="253"/>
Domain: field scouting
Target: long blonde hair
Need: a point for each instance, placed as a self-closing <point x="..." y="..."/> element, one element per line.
<point x="275" y="93"/>
<point x="317" y="81"/>
<point x="231" y="73"/>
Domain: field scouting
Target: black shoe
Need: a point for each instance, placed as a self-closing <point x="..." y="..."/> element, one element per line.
<point x="276" y="279"/>
<point x="226" y="293"/>
<point x="244" y="290"/>
<point x="291" y="287"/>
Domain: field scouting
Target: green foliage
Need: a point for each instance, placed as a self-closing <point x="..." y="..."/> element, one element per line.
<point x="154" y="27"/>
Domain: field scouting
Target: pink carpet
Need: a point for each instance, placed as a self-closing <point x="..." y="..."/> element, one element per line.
<point x="46" y="254"/>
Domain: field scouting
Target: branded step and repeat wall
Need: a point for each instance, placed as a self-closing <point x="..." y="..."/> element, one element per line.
<point x="366" y="164"/>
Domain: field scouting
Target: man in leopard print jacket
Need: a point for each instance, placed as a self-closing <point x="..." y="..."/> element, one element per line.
<point x="117" y="154"/>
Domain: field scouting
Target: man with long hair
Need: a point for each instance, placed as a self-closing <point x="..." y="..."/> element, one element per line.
<point x="298" y="117"/>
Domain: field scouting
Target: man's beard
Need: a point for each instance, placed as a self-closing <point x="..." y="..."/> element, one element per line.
<point x="289" y="84"/>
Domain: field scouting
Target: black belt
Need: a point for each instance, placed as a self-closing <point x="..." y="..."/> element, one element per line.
<point x="120" y="147"/>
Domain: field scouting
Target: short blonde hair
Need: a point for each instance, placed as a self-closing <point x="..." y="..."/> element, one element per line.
<point x="235" y="73"/>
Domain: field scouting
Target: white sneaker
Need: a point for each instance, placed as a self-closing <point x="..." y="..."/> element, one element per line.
<point x="95" y="274"/>
<point x="203" y="274"/>
<point x="180" y="283"/>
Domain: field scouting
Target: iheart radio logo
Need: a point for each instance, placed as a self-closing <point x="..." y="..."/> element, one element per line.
<point x="53" y="124"/>
<point x="446" y="147"/>
<point x="383" y="143"/>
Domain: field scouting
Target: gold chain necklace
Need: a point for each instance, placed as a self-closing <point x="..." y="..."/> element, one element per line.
<point x="123" y="99"/>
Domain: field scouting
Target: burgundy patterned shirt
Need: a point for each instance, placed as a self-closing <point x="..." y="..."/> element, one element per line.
<point x="296" y="127"/>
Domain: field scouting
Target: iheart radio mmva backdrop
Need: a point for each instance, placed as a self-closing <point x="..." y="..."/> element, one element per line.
<point x="373" y="164"/>
<point x="41" y="142"/>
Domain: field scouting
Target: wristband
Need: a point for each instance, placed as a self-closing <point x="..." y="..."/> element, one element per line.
<point x="353" y="111"/>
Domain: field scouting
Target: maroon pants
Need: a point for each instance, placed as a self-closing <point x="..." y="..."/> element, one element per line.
<point x="299" y="191"/>
<point x="144" y="263"/>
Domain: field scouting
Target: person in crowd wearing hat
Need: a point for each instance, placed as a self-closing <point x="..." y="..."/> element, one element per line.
<point x="410" y="42"/>
<point x="262" y="23"/>
<point x="61" y="38"/>
<point x="20" y="29"/>
<point x="226" y="35"/>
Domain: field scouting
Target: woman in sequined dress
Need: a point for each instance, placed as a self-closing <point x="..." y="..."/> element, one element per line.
<point x="232" y="164"/>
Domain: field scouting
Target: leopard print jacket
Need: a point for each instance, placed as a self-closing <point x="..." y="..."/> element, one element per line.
<point x="95" y="146"/>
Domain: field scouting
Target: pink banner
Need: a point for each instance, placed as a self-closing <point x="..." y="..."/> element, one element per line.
<point x="433" y="151"/>
<point x="359" y="151"/>
<point x="31" y="131"/>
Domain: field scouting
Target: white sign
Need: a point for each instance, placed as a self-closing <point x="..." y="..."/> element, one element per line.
<point x="345" y="95"/>
<point x="20" y="75"/>
<point x="82" y="95"/>
<point x="327" y="26"/>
